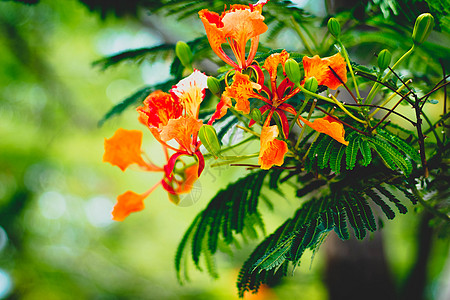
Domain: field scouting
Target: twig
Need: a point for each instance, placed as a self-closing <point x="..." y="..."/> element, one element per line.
<point x="343" y="83"/>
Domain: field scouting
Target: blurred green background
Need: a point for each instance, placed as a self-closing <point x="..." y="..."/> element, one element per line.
<point x="57" y="240"/>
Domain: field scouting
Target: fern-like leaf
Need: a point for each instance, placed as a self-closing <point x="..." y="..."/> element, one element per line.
<point x="351" y="151"/>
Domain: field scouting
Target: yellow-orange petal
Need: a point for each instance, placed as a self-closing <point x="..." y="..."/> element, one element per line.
<point x="128" y="203"/>
<point x="273" y="61"/>
<point x="182" y="130"/>
<point x="319" y="68"/>
<point x="190" y="91"/>
<point x="241" y="90"/>
<point x="329" y="126"/>
<point x="272" y="150"/>
<point x="124" y="149"/>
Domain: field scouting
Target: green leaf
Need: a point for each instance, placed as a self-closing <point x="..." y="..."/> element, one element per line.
<point x="351" y="151"/>
<point x="365" y="151"/>
<point x="336" y="158"/>
<point x="400" y="144"/>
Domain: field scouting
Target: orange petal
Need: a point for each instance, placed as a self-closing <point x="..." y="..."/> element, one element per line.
<point x="241" y="90"/>
<point x="221" y="109"/>
<point x="329" y="126"/>
<point x="128" y="203"/>
<point x="124" y="149"/>
<point x="190" y="176"/>
<point x="273" y="61"/>
<point x="318" y="68"/>
<point x="272" y="150"/>
<point x="182" y="130"/>
<point x="214" y="30"/>
<point x="159" y="107"/>
<point x="190" y="91"/>
<point x="241" y="25"/>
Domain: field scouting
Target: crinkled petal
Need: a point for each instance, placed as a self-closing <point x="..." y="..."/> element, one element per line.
<point x="128" y="203"/>
<point x="273" y="61"/>
<point x="124" y="149"/>
<point x="159" y="107"/>
<point x="221" y="109"/>
<point x="241" y="90"/>
<point x="318" y="68"/>
<point x="329" y="126"/>
<point x="182" y="130"/>
<point x="190" y="91"/>
<point x="272" y="150"/>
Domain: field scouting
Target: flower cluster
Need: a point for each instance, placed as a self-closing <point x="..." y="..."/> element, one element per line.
<point x="172" y="117"/>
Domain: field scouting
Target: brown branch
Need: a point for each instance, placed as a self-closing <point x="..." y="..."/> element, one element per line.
<point x="343" y="83"/>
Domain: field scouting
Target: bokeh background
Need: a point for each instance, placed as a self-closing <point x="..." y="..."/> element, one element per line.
<point x="57" y="239"/>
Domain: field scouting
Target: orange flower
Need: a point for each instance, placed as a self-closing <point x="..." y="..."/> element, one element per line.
<point x="183" y="131"/>
<point x="272" y="150"/>
<point x="236" y="27"/>
<point x="128" y="203"/>
<point x="330" y="126"/>
<point x="271" y="63"/>
<point x="319" y="68"/>
<point x="241" y="90"/>
<point x="124" y="149"/>
<point x="159" y="107"/>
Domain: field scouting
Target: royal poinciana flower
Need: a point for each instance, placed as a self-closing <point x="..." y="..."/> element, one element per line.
<point x="173" y="121"/>
<point x="320" y="69"/>
<point x="242" y="89"/>
<point x="236" y="26"/>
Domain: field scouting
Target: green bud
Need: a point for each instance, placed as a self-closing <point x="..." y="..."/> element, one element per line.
<point x="184" y="53"/>
<point x="208" y="136"/>
<point x="334" y="27"/>
<point x="311" y="84"/>
<point x="214" y="85"/>
<point x="255" y="114"/>
<point x="384" y="59"/>
<point x="292" y="70"/>
<point x="423" y="27"/>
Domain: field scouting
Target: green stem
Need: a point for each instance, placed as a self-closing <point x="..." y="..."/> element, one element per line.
<point x="344" y="52"/>
<point x="345" y="110"/>
<point x="376" y="87"/>
<point x="235" y="159"/>
<point x="389" y="99"/>
<point x="302" y="36"/>
<point x="300" y="110"/>
<point x="248" y="130"/>
<point x="304" y="125"/>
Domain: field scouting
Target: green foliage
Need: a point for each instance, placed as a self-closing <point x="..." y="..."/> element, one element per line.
<point x="312" y="222"/>
<point x="396" y="153"/>
<point x="232" y="211"/>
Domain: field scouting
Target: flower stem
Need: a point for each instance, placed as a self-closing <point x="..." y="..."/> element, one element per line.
<point x="344" y="52"/>
<point x="376" y="87"/>
<point x="345" y="110"/>
<point x="389" y="98"/>
<point x="304" y="126"/>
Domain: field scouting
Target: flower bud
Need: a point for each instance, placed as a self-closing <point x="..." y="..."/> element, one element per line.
<point x="423" y="27"/>
<point x="214" y="85"/>
<point x="334" y="27"/>
<point x="208" y="136"/>
<point x="292" y="70"/>
<point x="384" y="59"/>
<point x="184" y="53"/>
<point x="311" y="84"/>
<point x="255" y="114"/>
